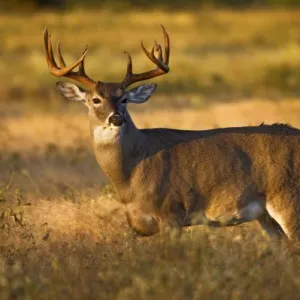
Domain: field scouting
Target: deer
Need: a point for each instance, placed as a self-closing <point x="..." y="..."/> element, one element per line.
<point x="170" y="178"/>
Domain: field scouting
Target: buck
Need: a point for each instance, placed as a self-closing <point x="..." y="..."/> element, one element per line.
<point x="176" y="178"/>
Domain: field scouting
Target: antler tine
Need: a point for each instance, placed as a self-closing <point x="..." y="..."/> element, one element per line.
<point x="152" y="57"/>
<point x="81" y="65"/>
<point x="63" y="70"/>
<point x="161" y="62"/>
<point x="129" y="64"/>
<point x="167" y="45"/>
<point x="48" y="47"/>
<point x="159" y="51"/>
<point x="61" y="59"/>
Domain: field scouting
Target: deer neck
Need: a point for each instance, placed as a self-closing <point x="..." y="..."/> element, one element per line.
<point x="118" y="150"/>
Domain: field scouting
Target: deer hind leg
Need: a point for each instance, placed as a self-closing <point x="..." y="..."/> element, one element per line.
<point x="270" y="226"/>
<point x="287" y="216"/>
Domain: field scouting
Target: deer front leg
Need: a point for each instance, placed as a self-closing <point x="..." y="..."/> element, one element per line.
<point x="147" y="225"/>
<point x="141" y="223"/>
<point x="145" y="222"/>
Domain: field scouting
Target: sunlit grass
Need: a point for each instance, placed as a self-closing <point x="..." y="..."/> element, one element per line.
<point x="73" y="241"/>
<point x="63" y="235"/>
<point x="213" y="52"/>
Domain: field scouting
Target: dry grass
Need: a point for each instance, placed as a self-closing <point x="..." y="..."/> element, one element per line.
<point x="63" y="234"/>
<point x="221" y="54"/>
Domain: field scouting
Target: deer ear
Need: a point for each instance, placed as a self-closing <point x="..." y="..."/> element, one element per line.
<point x="71" y="91"/>
<point x="141" y="93"/>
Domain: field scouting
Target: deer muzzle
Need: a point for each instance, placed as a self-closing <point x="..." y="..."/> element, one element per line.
<point x="116" y="119"/>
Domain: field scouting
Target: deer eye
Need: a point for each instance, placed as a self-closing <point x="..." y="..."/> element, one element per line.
<point x="96" y="101"/>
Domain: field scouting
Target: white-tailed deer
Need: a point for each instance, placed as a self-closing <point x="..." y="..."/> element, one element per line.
<point x="178" y="178"/>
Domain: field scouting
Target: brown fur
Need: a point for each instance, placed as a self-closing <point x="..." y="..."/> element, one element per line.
<point x="208" y="177"/>
<point x="175" y="178"/>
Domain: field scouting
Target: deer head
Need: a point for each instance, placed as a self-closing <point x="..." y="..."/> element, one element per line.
<point x="107" y="101"/>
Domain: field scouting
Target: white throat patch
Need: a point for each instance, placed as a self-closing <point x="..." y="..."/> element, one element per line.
<point x="106" y="134"/>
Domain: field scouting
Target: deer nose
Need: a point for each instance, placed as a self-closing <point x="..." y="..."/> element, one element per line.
<point x="116" y="119"/>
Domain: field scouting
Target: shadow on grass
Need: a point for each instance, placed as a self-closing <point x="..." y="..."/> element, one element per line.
<point x="54" y="173"/>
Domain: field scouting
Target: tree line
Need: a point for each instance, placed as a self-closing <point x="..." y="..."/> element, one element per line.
<point x="179" y="4"/>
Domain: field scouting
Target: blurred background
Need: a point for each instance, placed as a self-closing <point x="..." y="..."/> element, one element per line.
<point x="63" y="235"/>
<point x="222" y="50"/>
<point x="233" y="63"/>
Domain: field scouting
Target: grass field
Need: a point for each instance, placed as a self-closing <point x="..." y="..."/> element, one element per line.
<point x="63" y="234"/>
<point x="219" y="54"/>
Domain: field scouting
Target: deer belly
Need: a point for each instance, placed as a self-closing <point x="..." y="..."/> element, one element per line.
<point x="249" y="212"/>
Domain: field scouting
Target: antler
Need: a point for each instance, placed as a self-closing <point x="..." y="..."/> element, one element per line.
<point x="162" y="62"/>
<point x="63" y="70"/>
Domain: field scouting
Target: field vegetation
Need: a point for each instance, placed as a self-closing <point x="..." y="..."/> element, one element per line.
<point x="219" y="54"/>
<point x="63" y="234"/>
